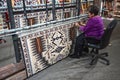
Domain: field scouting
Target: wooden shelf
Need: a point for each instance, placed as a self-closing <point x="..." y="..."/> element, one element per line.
<point x="117" y="11"/>
<point x="118" y="0"/>
<point x="116" y="8"/>
<point x="118" y="16"/>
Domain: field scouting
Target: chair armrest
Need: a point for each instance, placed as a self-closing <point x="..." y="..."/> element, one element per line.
<point x="90" y="38"/>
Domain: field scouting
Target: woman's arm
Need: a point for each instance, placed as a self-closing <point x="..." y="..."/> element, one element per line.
<point x="88" y="26"/>
<point x="79" y="24"/>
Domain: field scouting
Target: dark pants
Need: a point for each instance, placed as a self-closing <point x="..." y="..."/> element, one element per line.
<point x="80" y="44"/>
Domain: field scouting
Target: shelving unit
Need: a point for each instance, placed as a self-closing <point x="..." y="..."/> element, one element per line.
<point x="117" y="8"/>
<point x="85" y="4"/>
<point x="4" y="22"/>
<point x="1" y="22"/>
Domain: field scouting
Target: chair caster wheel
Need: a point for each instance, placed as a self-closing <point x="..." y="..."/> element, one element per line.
<point x="90" y="63"/>
<point x="108" y="63"/>
<point x="106" y="55"/>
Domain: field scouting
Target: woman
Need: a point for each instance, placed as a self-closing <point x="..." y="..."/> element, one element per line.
<point x="93" y="28"/>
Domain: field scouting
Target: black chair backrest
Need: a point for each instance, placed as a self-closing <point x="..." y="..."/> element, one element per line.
<point x="107" y="34"/>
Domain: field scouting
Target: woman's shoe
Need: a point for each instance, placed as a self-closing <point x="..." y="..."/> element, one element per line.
<point x="86" y="50"/>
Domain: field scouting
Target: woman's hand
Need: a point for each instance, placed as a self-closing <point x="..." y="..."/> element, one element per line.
<point x="82" y="24"/>
<point x="77" y="24"/>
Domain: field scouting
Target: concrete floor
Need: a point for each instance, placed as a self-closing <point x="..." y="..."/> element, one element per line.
<point x="79" y="69"/>
<point x="7" y="54"/>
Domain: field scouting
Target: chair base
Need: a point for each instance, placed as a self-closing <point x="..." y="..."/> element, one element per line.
<point x="101" y="56"/>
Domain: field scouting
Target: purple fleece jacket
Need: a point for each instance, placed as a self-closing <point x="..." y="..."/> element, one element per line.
<point x="94" y="27"/>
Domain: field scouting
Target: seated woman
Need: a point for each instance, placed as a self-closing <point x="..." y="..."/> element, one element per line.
<point x="93" y="28"/>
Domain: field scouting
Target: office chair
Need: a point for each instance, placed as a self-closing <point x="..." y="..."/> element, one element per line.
<point x="103" y="43"/>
